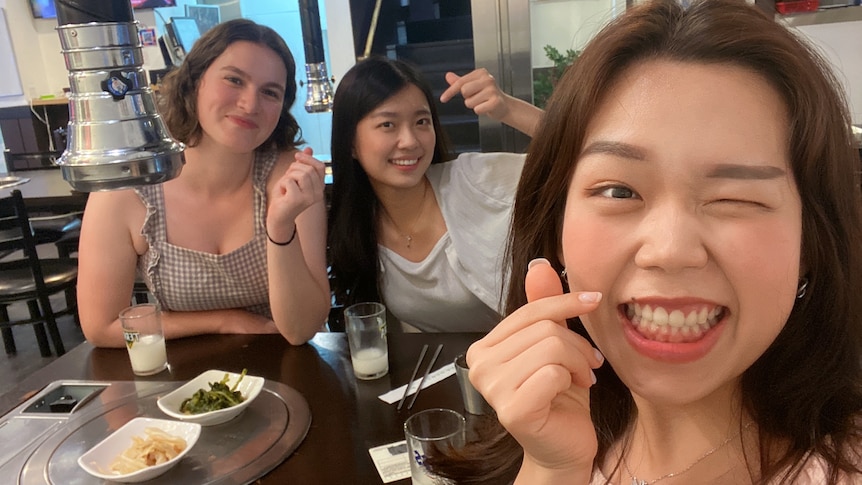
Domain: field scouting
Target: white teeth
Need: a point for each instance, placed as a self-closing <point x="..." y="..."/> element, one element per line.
<point x="691" y="319"/>
<point x="405" y="163"/>
<point x="676" y="319"/>
<point x="658" y="319"/>
<point x="659" y="316"/>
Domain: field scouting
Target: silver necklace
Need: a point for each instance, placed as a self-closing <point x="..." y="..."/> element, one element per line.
<point x="638" y="481"/>
<point x="409" y="236"/>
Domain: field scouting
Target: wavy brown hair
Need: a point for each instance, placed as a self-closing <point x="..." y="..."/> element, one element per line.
<point x="178" y="93"/>
<point x="805" y="391"/>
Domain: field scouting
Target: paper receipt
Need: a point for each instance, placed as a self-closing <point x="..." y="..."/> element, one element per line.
<point x="392" y="461"/>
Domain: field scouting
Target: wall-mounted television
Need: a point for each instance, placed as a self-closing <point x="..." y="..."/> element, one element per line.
<point x="185" y="31"/>
<point x="180" y="35"/>
<point x="44" y="9"/>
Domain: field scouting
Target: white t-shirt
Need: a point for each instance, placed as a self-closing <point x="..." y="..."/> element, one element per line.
<point x="415" y="292"/>
<point x="458" y="287"/>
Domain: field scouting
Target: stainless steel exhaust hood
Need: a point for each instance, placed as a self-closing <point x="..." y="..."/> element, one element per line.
<point x="116" y="137"/>
<point x="319" y="97"/>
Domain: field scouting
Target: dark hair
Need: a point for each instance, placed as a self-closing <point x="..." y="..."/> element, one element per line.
<point x="178" y="94"/>
<point x="805" y="391"/>
<point x="353" y="212"/>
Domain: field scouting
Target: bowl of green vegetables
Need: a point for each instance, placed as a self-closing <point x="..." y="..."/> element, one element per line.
<point x="213" y="397"/>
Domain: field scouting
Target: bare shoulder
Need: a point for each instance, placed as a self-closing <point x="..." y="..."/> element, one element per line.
<point x="116" y="208"/>
<point x="117" y="202"/>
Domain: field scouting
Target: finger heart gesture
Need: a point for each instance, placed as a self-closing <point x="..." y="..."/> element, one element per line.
<point x="536" y="374"/>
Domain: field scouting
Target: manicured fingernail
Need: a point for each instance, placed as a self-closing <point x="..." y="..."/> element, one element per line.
<point x="589" y="296"/>
<point x="599" y="356"/>
<point x="538" y="261"/>
<point x="593" y="376"/>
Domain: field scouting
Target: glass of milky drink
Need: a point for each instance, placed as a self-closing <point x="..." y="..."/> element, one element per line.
<point x="142" y="330"/>
<point x="366" y="336"/>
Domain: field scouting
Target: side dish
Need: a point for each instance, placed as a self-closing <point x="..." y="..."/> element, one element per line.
<point x="157" y="445"/>
<point x="156" y="448"/>
<point x="219" y="396"/>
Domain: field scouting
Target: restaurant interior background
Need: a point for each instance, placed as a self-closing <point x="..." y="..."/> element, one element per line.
<point x="508" y="37"/>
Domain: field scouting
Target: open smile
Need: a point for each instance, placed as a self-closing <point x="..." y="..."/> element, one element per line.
<point x="404" y="162"/>
<point x="657" y="323"/>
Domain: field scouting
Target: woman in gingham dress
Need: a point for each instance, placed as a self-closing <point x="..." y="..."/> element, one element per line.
<point x="235" y="243"/>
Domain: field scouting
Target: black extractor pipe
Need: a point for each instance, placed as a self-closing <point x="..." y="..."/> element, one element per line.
<point x="319" y="97"/>
<point x="116" y="137"/>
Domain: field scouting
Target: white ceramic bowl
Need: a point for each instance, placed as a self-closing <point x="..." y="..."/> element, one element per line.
<point x="250" y="387"/>
<point x="97" y="461"/>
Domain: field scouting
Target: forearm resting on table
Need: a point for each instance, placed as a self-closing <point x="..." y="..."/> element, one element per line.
<point x="185" y="324"/>
<point x="300" y="302"/>
<point x="299" y="308"/>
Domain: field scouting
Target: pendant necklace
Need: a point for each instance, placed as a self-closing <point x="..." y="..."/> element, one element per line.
<point x="637" y="481"/>
<point x="409" y="236"/>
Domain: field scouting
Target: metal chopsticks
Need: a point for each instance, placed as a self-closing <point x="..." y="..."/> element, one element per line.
<point x="413" y="376"/>
<point x="427" y="371"/>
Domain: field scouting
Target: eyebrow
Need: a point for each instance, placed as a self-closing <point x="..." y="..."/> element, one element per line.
<point x="623" y="150"/>
<point x="392" y="114"/>
<point x="245" y="75"/>
<point x="745" y="172"/>
<point x="719" y="171"/>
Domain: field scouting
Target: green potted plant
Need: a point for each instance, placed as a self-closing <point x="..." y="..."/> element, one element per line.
<point x="544" y="79"/>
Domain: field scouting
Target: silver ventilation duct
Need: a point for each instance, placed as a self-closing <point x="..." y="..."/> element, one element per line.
<point x="319" y="97"/>
<point x="116" y="137"/>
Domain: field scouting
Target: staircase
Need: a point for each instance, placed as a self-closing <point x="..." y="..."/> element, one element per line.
<point x="437" y="37"/>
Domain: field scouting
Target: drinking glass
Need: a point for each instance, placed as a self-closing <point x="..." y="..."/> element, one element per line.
<point x="366" y="336"/>
<point x="430" y="433"/>
<point x="145" y="339"/>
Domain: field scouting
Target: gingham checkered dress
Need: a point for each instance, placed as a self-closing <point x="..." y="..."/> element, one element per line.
<point x="183" y="279"/>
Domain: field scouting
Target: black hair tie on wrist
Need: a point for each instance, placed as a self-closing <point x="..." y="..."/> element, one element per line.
<point x="281" y="243"/>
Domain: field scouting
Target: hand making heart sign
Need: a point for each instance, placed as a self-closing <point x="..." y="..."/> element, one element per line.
<point x="536" y="374"/>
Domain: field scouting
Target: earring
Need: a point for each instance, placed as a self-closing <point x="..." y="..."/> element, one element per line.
<point x="803" y="286"/>
<point x="563" y="273"/>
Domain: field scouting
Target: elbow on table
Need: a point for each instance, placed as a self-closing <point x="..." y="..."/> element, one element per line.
<point x="101" y="337"/>
<point x="297" y="336"/>
<point x="299" y="332"/>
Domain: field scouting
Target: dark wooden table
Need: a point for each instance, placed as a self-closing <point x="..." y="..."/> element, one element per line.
<point x="47" y="191"/>
<point x="347" y="418"/>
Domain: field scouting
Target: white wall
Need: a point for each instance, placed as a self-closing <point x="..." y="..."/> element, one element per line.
<point x="338" y="29"/>
<point x="840" y="44"/>
<point x="567" y="25"/>
<point x="25" y="43"/>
